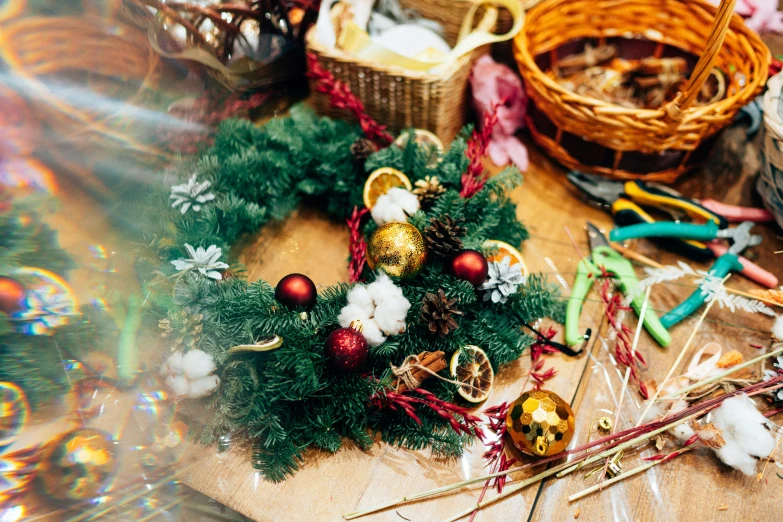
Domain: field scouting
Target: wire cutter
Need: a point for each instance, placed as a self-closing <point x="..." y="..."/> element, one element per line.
<point x="728" y="262"/>
<point x="602" y="255"/>
<point x="624" y="199"/>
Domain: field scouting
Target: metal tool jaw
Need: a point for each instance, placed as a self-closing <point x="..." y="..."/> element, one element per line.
<point x="601" y="191"/>
<point x="741" y="237"/>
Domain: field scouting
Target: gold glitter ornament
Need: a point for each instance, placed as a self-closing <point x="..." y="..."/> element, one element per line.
<point x="398" y="249"/>
<point x="78" y="465"/>
<point x="540" y="423"/>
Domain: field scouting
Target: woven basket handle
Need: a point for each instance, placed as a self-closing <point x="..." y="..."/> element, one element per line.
<point x="701" y="72"/>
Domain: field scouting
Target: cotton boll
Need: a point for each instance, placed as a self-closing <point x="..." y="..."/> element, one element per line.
<point x="654" y="412"/>
<point x="372" y="333"/>
<point x="359" y="296"/>
<point x="203" y="387"/>
<point x="394" y="207"/>
<point x="741" y="422"/>
<point x="352" y="312"/>
<point x="742" y="428"/>
<point x="733" y="455"/>
<point x="405" y="199"/>
<point x="173" y="365"/>
<point x="777" y="328"/>
<point x="383" y="287"/>
<point x="390" y="314"/>
<point x="683" y="432"/>
<point x="198" y="364"/>
<point x="178" y="384"/>
<point x="386" y="211"/>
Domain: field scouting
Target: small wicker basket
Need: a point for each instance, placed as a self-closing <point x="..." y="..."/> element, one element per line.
<point x="400" y="98"/>
<point x="770" y="182"/>
<point x="629" y="143"/>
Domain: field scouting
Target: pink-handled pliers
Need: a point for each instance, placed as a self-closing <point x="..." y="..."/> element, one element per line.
<point x="737" y="214"/>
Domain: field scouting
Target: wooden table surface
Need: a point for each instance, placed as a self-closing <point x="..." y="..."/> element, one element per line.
<point x="695" y="487"/>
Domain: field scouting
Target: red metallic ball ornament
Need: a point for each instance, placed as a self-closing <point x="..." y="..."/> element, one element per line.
<point x="347" y="349"/>
<point x="296" y="290"/>
<point x="471" y="266"/>
<point x="12" y="295"/>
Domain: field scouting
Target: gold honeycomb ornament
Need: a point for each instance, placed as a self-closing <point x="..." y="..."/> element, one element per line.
<point x="398" y="249"/>
<point x="540" y="423"/>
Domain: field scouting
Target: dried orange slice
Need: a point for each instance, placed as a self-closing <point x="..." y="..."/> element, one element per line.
<point x="380" y="181"/>
<point x="475" y="373"/>
<point x="505" y="250"/>
<point x="421" y="136"/>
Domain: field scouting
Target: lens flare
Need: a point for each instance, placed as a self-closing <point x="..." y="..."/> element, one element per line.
<point x="27" y="173"/>
<point x="14" y="412"/>
<point x="50" y="301"/>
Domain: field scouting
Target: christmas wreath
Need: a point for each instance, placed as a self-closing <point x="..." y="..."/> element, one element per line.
<point x="290" y="368"/>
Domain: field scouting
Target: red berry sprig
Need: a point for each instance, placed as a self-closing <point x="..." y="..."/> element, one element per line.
<point x="340" y="96"/>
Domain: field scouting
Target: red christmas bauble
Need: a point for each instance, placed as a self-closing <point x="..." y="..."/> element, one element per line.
<point x="12" y="295"/>
<point x="347" y="350"/>
<point x="471" y="266"/>
<point x="296" y="290"/>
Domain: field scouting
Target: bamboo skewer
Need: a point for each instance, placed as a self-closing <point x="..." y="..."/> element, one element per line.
<point x="566" y="467"/>
<point x="625" y="475"/>
<point x="636" y="336"/>
<point x="677" y="361"/>
<point x="636" y="256"/>
<point x="721" y="375"/>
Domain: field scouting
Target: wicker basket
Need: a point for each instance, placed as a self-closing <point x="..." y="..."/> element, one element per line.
<point x="47" y="55"/>
<point x="629" y="143"/>
<point x="86" y="79"/>
<point x="770" y="182"/>
<point x="400" y="98"/>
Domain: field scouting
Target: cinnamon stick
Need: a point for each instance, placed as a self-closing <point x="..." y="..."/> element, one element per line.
<point x="433" y="361"/>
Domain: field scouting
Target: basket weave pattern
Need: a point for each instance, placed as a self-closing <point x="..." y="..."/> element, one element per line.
<point x="38" y="47"/>
<point x="400" y="98"/>
<point x="693" y="27"/>
<point x="770" y="182"/>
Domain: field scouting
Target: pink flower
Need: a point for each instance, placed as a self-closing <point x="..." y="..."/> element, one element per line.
<point x="493" y="83"/>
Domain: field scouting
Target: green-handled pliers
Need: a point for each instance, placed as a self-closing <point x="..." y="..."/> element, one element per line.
<point x="604" y="256"/>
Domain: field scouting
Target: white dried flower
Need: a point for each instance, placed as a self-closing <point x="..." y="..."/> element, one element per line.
<point x="205" y="261"/>
<point x="503" y="281"/>
<point x="191" y="195"/>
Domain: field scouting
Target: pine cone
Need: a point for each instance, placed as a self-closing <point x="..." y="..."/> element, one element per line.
<point x="428" y="189"/>
<point x="438" y="312"/>
<point x="443" y="236"/>
<point x="362" y="149"/>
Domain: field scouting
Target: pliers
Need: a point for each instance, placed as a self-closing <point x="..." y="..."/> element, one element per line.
<point x="622" y="198"/>
<point x="728" y="262"/>
<point x="603" y="256"/>
<point x="706" y="232"/>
